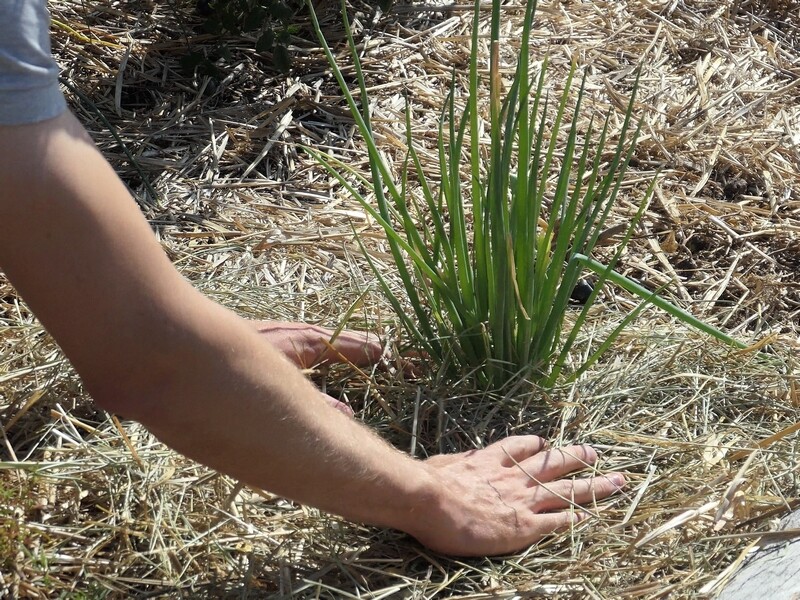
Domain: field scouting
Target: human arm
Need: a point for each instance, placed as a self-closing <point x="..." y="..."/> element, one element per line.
<point x="151" y="347"/>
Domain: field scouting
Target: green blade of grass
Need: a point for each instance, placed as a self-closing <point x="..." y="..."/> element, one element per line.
<point x="675" y="311"/>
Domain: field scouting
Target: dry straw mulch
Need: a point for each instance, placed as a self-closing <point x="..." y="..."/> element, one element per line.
<point x="93" y="507"/>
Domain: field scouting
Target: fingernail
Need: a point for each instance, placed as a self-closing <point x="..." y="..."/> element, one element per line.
<point x="617" y="479"/>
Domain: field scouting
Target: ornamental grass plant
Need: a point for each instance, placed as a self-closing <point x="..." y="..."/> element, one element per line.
<point x="489" y="263"/>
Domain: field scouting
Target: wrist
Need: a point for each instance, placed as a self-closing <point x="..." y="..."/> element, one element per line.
<point x="423" y="503"/>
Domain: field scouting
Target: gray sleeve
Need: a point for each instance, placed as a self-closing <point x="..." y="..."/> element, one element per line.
<point x="29" y="90"/>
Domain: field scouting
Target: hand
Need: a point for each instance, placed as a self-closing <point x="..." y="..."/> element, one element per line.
<point x="305" y="346"/>
<point x="508" y="496"/>
<point x="309" y="345"/>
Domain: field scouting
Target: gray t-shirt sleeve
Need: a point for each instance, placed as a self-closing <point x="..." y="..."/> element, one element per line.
<point x="29" y="90"/>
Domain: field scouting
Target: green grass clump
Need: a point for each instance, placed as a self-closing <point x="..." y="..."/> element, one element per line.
<point x="489" y="264"/>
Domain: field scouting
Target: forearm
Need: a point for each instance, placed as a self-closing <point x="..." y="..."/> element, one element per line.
<point x="244" y="410"/>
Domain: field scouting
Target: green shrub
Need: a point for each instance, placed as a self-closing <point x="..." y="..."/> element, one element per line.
<point x="488" y="265"/>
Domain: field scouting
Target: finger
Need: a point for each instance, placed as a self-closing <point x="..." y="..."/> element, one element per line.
<point x="542" y="525"/>
<point x="557" y="463"/>
<point x="515" y="449"/>
<point x="355" y="347"/>
<point x="366" y="349"/>
<point x="340" y="406"/>
<point x="560" y="521"/>
<point x="307" y="345"/>
<point x="587" y="491"/>
<point x="295" y="341"/>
